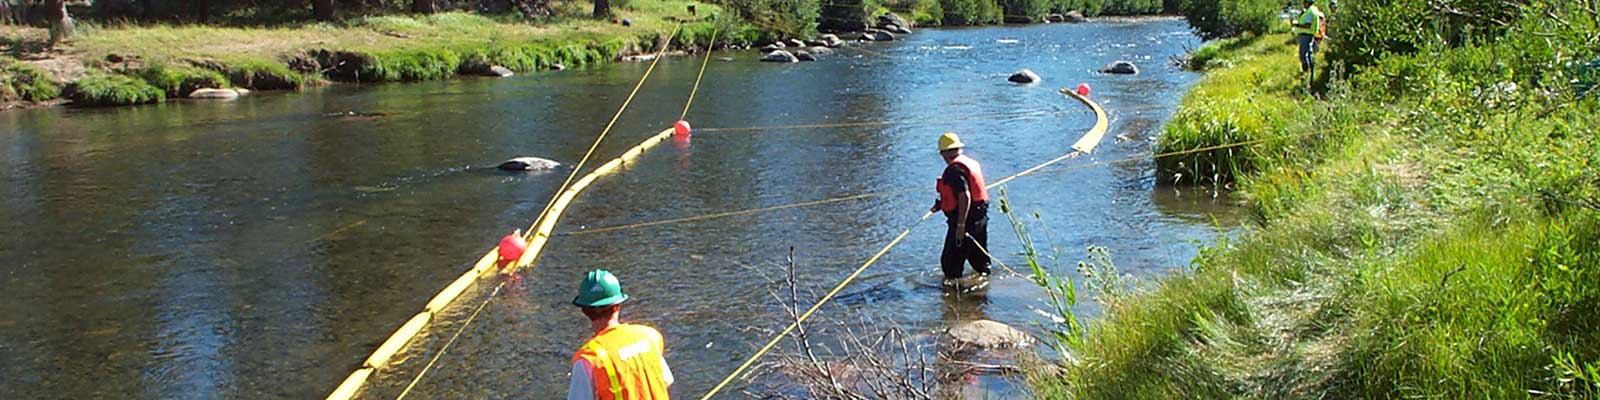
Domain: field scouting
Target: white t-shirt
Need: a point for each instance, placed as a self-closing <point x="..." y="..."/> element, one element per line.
<point x="582" y="385"/>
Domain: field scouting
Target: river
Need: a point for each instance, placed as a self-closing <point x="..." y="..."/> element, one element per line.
<point x="259" y="249"/>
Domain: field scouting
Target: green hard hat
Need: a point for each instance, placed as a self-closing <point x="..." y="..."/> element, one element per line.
<point x="600" y="288"/>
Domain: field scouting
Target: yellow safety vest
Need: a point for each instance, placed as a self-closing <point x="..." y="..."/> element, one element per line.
<point x="1312" y="17"/>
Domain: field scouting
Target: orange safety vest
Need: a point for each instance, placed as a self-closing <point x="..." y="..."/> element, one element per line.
<point x="625" y="362"/>
<point x="975" y="186"/>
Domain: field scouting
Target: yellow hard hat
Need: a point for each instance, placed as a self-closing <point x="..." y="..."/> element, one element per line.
<point x="949" y="141"/>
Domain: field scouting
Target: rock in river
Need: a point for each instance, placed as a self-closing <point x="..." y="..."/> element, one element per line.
<point x="988" y="334"/>
<point x="893" y="19"/>
<point x="775" y="46"/>
<point x="802" y="55"/>
<point x="1025" y="76"/>
<point x="528" y="164"/>
<point x="892" y="28"/>
<point x="780" y="56"/>
<point x="882" y="36"/>
<point x="1121" y="68"/>
<point x="1075" y="16"/>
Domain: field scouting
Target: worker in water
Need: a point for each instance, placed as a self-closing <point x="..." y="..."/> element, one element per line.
<point x="1309" y="28"/>
<point x="965" y="203"/>
<point x="621" y="361"/>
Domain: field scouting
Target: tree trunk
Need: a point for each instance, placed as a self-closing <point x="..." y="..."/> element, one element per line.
<point x="423" y="7"/>
<point x="61" y="26"/>
<point x="202" y="10"/>
<point x="322" y="9"/>
<point x="602" y="8"/>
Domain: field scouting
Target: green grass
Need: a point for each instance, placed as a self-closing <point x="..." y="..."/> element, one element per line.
<point x="100" y="90"/>
<point x="1440" y="240"/>
<point x="179" y="81"/>
<point x="19" y="81"/>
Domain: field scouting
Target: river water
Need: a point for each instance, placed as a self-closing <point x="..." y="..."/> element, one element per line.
<point x="259" y="249"/>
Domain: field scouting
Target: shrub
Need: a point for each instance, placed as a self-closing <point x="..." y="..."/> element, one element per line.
<point x="260" y="74"/>
<point x="19" y="81"/>
<point x="1213" y="19"/>
<point x="787" y="18"/>
<point x="180" y="81"/>
<point x="411" y="65"/>
<point x="113" y="90"/>
<point x="970" y="12"/>
<point x="1024" y="11"/>
<point x="1371" y="29"/>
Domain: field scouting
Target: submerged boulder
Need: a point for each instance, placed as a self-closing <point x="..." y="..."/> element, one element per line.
<point x="988" y="335"/>
<point x="1025" y="76"/>
<point x="802" y="55"/>
<point x="1121" y="68"/>
<point x="819" y="51"/>
<point x="883" y="36"/>
<point x="780" y="56"/>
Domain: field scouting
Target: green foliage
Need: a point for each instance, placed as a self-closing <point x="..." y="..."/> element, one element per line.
<point x="1213" y="19"/>
<point x="1024" y="11"/>
<point x="181" y="80"/>
<point x="1442" y="242"/>
<point x="1065" y="332"/>
<point x="783" y="18"/>
<point x="261" y="74"/>
<point x="970" y="12"/>
<point x="20" y="81"/>
<point x="1368" y="30"/>
<point x="411" y="65"/>
<point x="112" y="90"/>
<point x="1256" y="100"/>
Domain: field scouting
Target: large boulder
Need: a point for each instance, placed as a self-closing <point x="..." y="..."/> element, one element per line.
<point x="775" y="46"/>
<point x="499" y="71"/>
<point x="1121" y="68"/>
<point x="1074" y="16"/>
<point x="882" y="36"/>
<point x="1025" y="76"/>
<point x="988" y="335"/>
<point x="1055" y="18"/>
<point x="892" y="28"/>
<point x="528" y="164"/>
<point x="894" y="19"/>
<point x="214" y="94"/>
<point x="796" y="43"/>
<point x="830" y="40"/>
<point x="802" y="55"/>
<point x="780" y="56"/>
<point x="868" y="36"/>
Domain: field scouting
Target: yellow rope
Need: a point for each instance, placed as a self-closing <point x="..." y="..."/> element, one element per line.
<point x="452" y="340"/>
<point x="703" y="64"/>
<point x="603" y="132"/>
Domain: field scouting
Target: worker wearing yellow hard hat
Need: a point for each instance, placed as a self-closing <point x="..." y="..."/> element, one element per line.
<point x="965" y="203"/>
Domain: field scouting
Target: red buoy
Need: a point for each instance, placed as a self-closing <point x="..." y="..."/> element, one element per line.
<point x="1083" y="89"/>
<point x="511" y="248"/>
<point x="681" y="128"/>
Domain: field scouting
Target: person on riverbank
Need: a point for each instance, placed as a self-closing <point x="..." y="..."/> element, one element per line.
<point x="1308" y="30"/>
<point x="621" y="361"/>
<point x="965" y="203"/>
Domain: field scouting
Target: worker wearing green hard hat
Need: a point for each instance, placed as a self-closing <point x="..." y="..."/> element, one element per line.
<point x="621" y="361"/>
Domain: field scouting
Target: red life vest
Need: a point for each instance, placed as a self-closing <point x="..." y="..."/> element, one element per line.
<point x="976" y="192"/>
<point x="625" y="362"/>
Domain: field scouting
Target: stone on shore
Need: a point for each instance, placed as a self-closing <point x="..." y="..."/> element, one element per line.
<point x="780" y="56"/>
<point x="1074" y="16"/>
<point x="1121" y="68"/>
<point x="558" y="67"/>
<point x="1025" y="76"/>
<point x="988" y="335"/>
<point x="214" y="94"/>
<point x="802" y="55"/>
<point x="894" y="19"/>
<point x="499" y="71"/>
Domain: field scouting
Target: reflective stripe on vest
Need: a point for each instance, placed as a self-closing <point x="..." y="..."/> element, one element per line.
<point x="976" y="193"/>
<point x="628" y="358"/>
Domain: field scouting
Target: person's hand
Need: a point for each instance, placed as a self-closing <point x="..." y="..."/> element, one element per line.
<point x="934" y="209"/>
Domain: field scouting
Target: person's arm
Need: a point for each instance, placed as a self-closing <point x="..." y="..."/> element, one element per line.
<point x="581" y="387"/>
<point x="963" y="204"/>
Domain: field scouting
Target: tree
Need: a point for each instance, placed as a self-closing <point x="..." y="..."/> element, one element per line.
<point x="424" y="6"/>
<point x="602" y="8"/>
<point x="61" y="25"/>
<point x="322" y="9"/>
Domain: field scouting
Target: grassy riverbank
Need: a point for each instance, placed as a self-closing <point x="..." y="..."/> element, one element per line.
<point x="1430" y="228"/>
<point x="180" y="58"/>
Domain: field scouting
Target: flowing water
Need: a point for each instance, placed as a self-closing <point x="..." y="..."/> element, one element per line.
<point x="260" y="249"/>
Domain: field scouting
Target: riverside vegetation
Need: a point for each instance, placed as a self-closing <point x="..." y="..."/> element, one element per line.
<point x="1427" y="217"/>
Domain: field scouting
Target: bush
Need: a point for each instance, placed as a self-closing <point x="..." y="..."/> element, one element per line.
<point x="1371" y="29"/>
<point x="260" y="74"/>
<point x="180" y="81"/>
<point x="786" y="18"/>
<point x="19" y="81"/>
<point x="1213" y="19"/>
<point x="970" y="12"/>
<point x="1024" y="11"/>
<point x="113" y="90"/>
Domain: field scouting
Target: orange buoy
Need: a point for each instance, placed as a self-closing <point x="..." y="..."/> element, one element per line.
<point x="511" y="248"/>
<point x="681" y="128"/>
<point x="1083" y="89"/>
